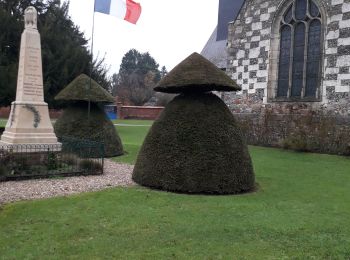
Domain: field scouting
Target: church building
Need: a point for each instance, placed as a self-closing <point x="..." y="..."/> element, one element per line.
<point x="284" y="53"/>
<point x="292" y="60"/>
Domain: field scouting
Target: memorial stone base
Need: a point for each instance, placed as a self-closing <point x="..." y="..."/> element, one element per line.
<point x="29" y="124"/>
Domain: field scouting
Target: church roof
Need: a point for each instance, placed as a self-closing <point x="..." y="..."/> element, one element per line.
<point x="215" y="51"/>
<point x="215" y="48"/>
<point x="228" y="12"/>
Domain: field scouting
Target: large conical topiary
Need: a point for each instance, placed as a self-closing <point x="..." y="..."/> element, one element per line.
<point x="74" y="121"/>
<point x="195" y="146"/>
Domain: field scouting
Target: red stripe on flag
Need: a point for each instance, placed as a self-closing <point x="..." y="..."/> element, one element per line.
<point x="133" y="11"/>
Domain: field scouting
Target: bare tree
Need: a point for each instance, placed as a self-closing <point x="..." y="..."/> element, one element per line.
<point x="137" y="88"/>
<point x="137" y="77"/>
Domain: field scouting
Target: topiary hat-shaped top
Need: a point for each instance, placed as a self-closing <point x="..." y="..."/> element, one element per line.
<point x="78" y="89"/>
<point x="196" y="74"/>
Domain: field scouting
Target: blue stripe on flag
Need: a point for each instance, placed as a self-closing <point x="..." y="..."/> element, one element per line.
<point x="102" y="6"/>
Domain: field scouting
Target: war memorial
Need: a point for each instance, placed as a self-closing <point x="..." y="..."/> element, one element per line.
<point x="29" y="122"/>
<point x="29" y="147"/>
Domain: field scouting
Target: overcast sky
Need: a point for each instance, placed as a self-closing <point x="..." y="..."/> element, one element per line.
<point x="169" y="30"/>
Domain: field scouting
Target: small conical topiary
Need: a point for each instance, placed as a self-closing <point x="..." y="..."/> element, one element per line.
<point x="74" y="121"/>
<point x="195" y="146"/>
<point x="80" y="90"/>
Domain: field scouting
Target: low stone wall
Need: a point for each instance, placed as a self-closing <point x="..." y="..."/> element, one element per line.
<point x="139" y="112"/>
<point x="307" y="131"/>
<point x="5" y="112"/>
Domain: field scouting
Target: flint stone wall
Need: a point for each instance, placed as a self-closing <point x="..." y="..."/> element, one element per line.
<point x="250" y="44"/>
<point x="324" y="126"/>
<point x="310" y="130"/>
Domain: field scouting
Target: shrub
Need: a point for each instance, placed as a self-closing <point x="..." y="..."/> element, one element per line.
<point x="70" y="159"/>
<point x="195" y="146"/>
<point x="90" y="166"/>
<point x="296" y="143"/>
<point x="74" y="121"/>
<point x="19" y="164"/>
<point x="99" y="128"/>
<point x="163" y="98"/>
<point x="308" y="132"/>
<point x="52" y="161"/>
<point x="3" y="171"/>
<point x="77" y="90"/>
<point x="39" y="169"/>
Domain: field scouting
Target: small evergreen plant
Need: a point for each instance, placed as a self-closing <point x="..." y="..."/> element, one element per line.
<point x="75" y="121"/>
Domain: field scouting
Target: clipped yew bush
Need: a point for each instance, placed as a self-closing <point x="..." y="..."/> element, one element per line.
<point x="195" y="146"/>
<point x="74" y="121"/>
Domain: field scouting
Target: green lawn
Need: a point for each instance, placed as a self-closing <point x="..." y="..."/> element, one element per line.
<point x="301" y="211"/>
<point x="133" y="122"/>
<point x="3" y="122"/>
<point x="132" y="137"/>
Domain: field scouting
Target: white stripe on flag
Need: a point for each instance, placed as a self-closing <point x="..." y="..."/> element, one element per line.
<point x="118" y="8"/>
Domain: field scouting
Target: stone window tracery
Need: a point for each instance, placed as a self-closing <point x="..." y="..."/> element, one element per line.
<point x="300" y="55"/>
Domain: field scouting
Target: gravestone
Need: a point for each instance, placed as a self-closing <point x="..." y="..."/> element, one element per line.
<point x="29" y="121"/>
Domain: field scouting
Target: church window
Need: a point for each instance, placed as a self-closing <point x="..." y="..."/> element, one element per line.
<point x="300" y="53"/>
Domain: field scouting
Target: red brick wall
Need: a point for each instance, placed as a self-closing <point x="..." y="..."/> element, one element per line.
<point x="139" y="112"/>
<point x="5" y="112"/>
<point x="124" y="112"/>
<point x="54" y="113"/>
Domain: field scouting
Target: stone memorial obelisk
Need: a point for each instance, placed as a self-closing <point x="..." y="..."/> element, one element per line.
<point x="29" y="121"/>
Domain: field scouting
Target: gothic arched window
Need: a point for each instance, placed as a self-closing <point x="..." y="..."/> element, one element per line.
<point x="300" y="55"/>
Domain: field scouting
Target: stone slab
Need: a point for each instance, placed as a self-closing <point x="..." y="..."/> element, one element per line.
<point x="30" y="148"/>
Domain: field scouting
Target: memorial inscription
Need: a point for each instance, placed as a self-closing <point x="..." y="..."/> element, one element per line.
<point x="30" y="77"/>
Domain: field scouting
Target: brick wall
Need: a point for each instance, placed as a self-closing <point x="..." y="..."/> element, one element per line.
<point x="124" y="112"/>
<point x="139" y="112"/>
<point x="5" y="112"/>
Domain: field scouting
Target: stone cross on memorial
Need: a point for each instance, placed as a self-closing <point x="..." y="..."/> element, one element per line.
<point x="29" y="121"/>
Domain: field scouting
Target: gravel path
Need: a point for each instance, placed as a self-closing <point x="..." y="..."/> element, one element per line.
<point x="115" y="174"/>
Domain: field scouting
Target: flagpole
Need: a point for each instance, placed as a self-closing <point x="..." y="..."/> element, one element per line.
<point x="92" y="57"/>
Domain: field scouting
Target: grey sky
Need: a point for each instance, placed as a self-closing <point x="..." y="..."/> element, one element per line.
<point x="169" y="30"/>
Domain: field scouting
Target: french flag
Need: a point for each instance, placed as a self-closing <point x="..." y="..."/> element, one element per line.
<point x="125" y="9"/>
